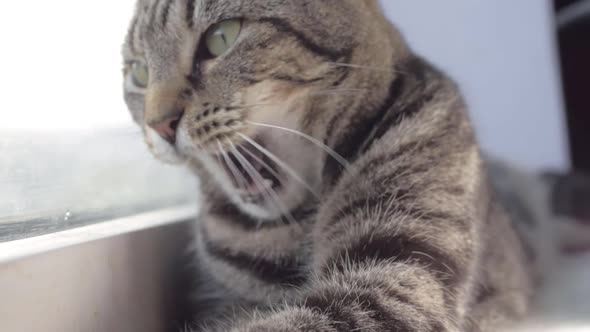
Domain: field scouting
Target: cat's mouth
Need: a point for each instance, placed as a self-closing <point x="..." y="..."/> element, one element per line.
<point x="254" y="175"/>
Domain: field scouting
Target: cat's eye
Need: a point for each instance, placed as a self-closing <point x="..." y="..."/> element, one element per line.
<point x="221" y="36"/>
<point x="140" y="74"/>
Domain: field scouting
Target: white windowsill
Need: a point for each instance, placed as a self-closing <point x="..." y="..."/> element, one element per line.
<point x="19" y="249"/>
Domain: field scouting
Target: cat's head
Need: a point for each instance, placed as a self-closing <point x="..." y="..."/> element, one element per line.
<point x="247" y="91"/>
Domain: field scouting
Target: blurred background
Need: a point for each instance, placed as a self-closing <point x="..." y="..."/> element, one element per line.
<point x="503" y="55"/>
<point x="515" y="61"/>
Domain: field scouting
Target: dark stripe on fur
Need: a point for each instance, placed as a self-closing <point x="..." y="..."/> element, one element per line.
<point x="336" y="302"/>
<point x="407" y="96"/>
<point x="399" y="202"/>
<point x="342" y="73"/>
<point x="342" y="70"/>
<point x="231" y="213"/>
<point x="209" y="5"/>
<point x="415" y="148"/>
<point x="358" y="130"/>
<point x="284" y="26"/>
<point x="406" y="107"/>
<point x="166" y="12"/>
<point x="341" y="318"/>
<point x="402" y="248"/>
<point x="131" y="38"/>
<point x="295" y="80"/>
<point x="366" y="204"/>
<point x="393" y="293"/>
<point x="154" y="11"/>
<point x="190" y="13"/>
<point x="438" y="142"/>
<point x="286" y="271"/>
<point x="386" y="290"/>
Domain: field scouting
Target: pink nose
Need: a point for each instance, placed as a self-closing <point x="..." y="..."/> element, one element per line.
<point x="167" y="128"/>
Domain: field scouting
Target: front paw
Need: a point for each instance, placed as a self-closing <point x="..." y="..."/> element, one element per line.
<point x="292" y="320"/>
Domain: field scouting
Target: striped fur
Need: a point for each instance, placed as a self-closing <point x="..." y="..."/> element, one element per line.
<point x="385" y="221"/>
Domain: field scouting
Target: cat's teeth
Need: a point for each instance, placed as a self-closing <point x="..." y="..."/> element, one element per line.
<point x="257" y="190"/>
<point x="268" y="183"/>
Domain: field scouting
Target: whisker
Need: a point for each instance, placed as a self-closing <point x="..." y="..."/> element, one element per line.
<point x="238" y="177"/>
<point x="257" y="105"/>
<point x="259" y="184"/>
<point x="374" y="68"/>
<point x="343" y="162"/>
<point x="259" y="180"/>
<point x="324" y="92"/>
<point x="337" y="91"/>
<point x="281" y="163"/>
<point x="261" y="162"/>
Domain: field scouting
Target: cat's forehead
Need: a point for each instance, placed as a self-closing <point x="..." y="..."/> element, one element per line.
<point x="200" y="13"/>
<point x="161" y="24"/>
<point x="199" y="10"/>
<point x="156" y="21"/>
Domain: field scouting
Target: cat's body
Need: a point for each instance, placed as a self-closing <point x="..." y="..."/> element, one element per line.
<point x="344" y="188"/>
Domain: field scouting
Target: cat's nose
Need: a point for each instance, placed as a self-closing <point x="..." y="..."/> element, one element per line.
<point x="164" y="109"/>
<point x="168" y="127"/>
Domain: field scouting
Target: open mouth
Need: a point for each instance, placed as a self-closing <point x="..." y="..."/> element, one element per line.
<point x="252" y="172"/>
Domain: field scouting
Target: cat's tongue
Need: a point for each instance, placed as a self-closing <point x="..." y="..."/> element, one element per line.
<point x="258" y="188"/>
<point x="252" y="172"/>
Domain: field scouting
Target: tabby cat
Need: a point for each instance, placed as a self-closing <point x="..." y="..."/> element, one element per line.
<point x="343" y="186"/>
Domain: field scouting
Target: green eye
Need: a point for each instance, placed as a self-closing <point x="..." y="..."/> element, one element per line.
<point x="221" y="36"/>
<point x="140" y="74"/>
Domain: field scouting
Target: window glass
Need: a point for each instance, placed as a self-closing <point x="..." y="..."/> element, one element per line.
<point x="69" y="153"/>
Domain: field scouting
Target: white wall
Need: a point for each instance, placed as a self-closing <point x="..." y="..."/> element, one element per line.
<point x="502" y="53"/>
<point x="60" y="65"/>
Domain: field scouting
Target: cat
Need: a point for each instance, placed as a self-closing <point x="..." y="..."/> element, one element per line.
<point x="343" y="185"/>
